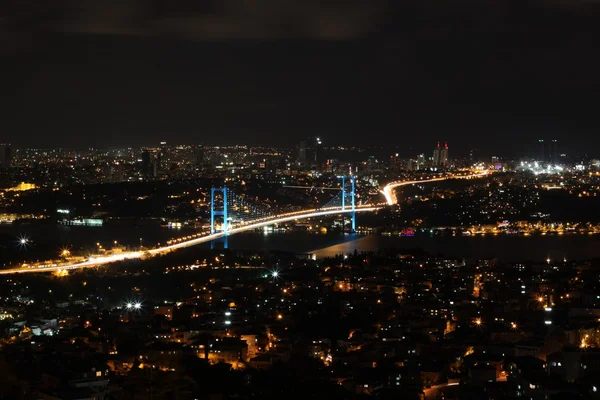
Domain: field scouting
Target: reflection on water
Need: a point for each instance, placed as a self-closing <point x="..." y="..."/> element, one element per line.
<point x="506" y="248"/>
<point x="295" y="242"/>
<point x="358" y="243"/>
<point x="48" y="239"/>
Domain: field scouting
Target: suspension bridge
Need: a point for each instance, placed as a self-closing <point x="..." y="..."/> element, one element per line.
<point x="231" y="213"/>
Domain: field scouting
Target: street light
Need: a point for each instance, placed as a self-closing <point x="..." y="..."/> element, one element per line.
<point x="23" y="241"/>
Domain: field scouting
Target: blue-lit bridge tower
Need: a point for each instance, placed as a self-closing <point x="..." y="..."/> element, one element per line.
<point x="349" y="192"/>
<point x="236" y="211"/>
<point x="218" y="211"/>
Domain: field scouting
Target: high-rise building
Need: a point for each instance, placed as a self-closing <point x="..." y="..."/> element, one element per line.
<point x="165" y="156"/>
<point x="309" y="152"/>
<point x="554" y="152"/>
<point x="150" y="163"/>
<point x="444" y="156"/>
<point x="302" y="153"/>
<point x="5" y="155"/>
<point x="541" y="156"/>
<point x="421" y="161"/>
<point x="472" y="156"/>
<point x="436" y="155"/>
<point x="548" y="151"/>
<point x="317" y="156"/>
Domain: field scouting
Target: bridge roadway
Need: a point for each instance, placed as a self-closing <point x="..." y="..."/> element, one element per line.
<point x="388" y="192"/>
<point x="97" y="261"/>
<point x="390" y="197"/>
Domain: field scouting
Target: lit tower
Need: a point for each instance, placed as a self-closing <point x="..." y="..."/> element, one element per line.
<point x="436" y="155"/>
<point x="216" y="211"/>
<point x="350" y="194"/>
<point x="219" y="208"/>
<point x="444" y="155"/>
<point x="421" y="161"/>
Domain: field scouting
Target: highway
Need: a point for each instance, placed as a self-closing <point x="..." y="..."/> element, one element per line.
<point x="433" y="392"/>
<point x="102" y="260"/>
<point x="390" y="197"/>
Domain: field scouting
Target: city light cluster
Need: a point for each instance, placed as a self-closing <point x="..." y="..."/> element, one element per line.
<point x="133" y="306"/>
<point x="539" y="168"/>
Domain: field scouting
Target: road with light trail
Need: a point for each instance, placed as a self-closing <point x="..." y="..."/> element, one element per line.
<point x="390" y="197"/>
<point x="432" y="392"/>
<point x="388" y="192"/>
<point x="102" y="260"/>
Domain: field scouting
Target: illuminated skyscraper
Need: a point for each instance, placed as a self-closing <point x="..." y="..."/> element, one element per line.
<point x="444" y="155"/>
<point x="315" y="150"/>
<point x="164" y="159"/>
<point x="436" y="155"/>
<point x="473" y="156"/>
<point x="421" y="161"/>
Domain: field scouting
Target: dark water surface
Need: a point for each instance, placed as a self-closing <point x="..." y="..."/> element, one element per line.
<point x="508" y="248"/>
<point x="46" y="240"/>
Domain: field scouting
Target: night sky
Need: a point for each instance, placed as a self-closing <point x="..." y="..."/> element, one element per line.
<point x="492" y="75"/>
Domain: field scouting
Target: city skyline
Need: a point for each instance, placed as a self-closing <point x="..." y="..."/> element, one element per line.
<point x="557" y="153"/>
<point x="313" y="199"/>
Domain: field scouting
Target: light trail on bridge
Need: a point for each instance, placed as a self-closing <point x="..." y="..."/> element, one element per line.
<point x="103" y="260"/>
<point x="390" y="197"/>
<point x="311" y="187"/>
<point x="279" y="219"/>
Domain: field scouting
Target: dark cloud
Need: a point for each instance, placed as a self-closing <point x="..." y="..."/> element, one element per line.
<point x="275" y="19"/>
<point x="495" y="73"/>
<point x="208" y="19"/>
<point x="261" y="19"/>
